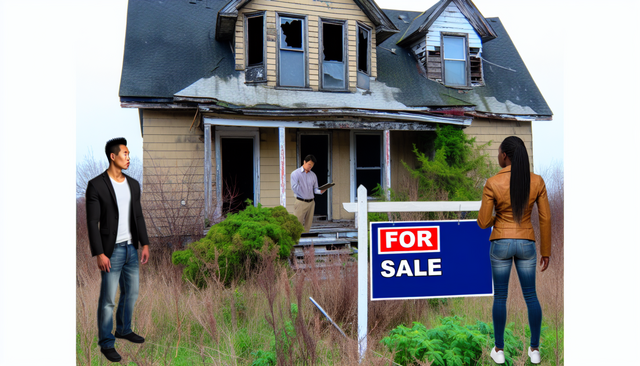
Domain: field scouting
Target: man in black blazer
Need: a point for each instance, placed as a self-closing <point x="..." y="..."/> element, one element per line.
<point x="116" y="226"/>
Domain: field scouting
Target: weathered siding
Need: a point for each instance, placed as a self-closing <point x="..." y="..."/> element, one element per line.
<point x="485" y="130"/>
<point x="173" y="171"/>
<point x="451" y="20"/>
<point x="270" y="166"/>
<point x="341" y="174"/>
<point x="402" y="150"/>
<point x="315" y="11"/>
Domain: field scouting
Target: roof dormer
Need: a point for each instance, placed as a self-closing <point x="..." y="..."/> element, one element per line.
<point x="447" y="40"/>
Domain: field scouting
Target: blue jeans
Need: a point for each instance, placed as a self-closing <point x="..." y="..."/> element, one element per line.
<point x="503" y="253"/>
<point x="125" y="271"/>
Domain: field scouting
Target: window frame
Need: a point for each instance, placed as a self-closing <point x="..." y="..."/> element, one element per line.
<point x="262" y="65"/>
<point x="467" y="62"/>
<point x="305" y="42"/>
<point x="369" y="30"/>
<point x="345" y="53"/>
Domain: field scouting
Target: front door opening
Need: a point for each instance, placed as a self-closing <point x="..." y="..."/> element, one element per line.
<point x="237" y="173"/>
<point x="318" y="146"/>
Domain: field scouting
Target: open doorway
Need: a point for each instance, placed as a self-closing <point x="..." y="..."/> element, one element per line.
<point x="318" y="146"/>
<point x="237" y="173"/>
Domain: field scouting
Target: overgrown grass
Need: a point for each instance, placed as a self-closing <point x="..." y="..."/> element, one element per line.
<point x="242" y="323"/>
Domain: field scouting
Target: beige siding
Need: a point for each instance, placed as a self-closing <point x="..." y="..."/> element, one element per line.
<point x="486" y="130"/>
<point x="173" y="171"/>
<point x="314" y="10"/>
<point x="270" y="166"/>
<point x="341" y="173"/>
<point x="402" y="150"/>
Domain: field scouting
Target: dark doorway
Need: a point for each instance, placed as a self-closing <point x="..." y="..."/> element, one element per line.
<point x="318" y="146"/>
<point x="368" y="161"/>
<point x="237" y="173"/>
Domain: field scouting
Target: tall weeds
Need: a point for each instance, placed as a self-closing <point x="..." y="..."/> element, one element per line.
<point x="228" y="325"/>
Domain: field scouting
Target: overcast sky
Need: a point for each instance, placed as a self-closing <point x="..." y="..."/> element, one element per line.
<point x="100" y="117"/>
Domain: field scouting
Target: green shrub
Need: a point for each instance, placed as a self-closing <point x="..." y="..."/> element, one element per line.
<point x="235" y="242"/>
<point x="449" y="344"/>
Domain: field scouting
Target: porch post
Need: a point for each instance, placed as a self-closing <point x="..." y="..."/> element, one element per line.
<point x="218" y="212"/>
<point x="387" y="163"/>
<point x="283" y="174"/>
<point x="207" y="172"/>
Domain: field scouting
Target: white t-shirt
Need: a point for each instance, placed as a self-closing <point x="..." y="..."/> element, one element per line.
<point x="123" y="197"/>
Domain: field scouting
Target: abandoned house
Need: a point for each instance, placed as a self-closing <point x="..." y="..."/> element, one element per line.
<point x="239" y="91"/>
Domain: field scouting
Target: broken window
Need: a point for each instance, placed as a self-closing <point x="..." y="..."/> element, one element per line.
<point x="255" y="70"/>
<point x="455" y="60"/>
<point x="292" y="53"/>
<point x="333" y="70"/>
<point x="255" y="40"/>
<point x="364" y="49"/>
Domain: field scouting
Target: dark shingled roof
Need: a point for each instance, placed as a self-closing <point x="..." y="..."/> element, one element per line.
<point x="402" y="71"/>
<point x="171" y="44"/>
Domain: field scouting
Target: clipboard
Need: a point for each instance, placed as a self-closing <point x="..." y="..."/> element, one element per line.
<point x="326" y="186"/>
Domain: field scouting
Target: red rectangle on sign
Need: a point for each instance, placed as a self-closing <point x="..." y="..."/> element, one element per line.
<point x="409" y="240"/>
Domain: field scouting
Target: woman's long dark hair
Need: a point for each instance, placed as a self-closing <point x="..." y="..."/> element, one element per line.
<point x="520" y="175"/>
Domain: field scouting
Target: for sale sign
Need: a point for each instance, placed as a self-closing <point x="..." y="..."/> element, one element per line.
<point x="426" y="259"/>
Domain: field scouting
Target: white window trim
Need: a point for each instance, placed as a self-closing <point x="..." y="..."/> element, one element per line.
<point x="467" y="71"/>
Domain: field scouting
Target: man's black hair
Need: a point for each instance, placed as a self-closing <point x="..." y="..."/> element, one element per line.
<point x="310" y="157"/>
<point x="113" y="146"/>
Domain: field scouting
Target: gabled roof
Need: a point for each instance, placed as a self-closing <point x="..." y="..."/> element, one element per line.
<point x="420" y="26"/>
<point x="229" y="13"/>
<point x="509" y="88"/>
<point x="171" y="53"/>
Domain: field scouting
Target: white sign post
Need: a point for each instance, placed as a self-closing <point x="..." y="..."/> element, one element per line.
<point x="362" y="208"/>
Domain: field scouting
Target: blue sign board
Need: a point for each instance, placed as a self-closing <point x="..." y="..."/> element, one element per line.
<point x="427" y="259"/>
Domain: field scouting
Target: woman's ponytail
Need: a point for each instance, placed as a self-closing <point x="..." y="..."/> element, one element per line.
<point x="520" y="175"/>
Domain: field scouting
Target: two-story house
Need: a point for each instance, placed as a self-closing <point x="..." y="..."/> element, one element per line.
<point x="244" y="89"/>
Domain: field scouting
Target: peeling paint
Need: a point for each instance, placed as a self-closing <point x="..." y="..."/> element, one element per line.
<point x="492" y="105"/>
<point x="233" y="90"/>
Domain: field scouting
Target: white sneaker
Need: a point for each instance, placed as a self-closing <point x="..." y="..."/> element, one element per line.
<point x="498" y="357"/>
<point x="534" y="355"/>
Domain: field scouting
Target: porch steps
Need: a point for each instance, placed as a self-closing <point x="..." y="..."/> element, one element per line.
<point x="327" y="240"/>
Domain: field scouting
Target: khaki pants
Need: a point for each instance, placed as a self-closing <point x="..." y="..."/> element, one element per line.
<point x="304" y="213"/>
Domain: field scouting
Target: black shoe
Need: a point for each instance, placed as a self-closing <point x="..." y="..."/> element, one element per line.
<point x="111" y="354"/>
<point x="131" y="337"/>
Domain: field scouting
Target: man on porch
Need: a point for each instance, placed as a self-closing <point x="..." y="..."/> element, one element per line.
<point x="304" y="184"/>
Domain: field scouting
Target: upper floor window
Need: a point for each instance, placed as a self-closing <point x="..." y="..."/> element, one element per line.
<point x="455" y="60"/>
<point x="363" y="56"/>
<point x="255" y="70"/>
<point x="255" y="40"/>
<point x="291" y="53"/>
<point x="333" y="61"/>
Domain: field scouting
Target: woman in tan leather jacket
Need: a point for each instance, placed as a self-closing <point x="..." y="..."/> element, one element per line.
<point x="512" y="193"/>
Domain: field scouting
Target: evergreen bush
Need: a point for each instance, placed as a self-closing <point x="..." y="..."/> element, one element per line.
<point x="231" y="247"/>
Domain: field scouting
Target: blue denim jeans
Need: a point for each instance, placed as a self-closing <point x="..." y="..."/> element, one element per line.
<point x="503" y="253"/>
<point x="124" y="271"/>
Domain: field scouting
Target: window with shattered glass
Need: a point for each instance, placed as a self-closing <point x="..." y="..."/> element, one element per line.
<point x="291" y="63"/>
<point x="255" y="70"/>
<point x="333" y="65"/>
<point x="363" y="55"/>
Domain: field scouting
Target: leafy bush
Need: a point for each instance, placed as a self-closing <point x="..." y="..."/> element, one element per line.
<point x="230" y="247"/>
<point x="451" y="167"/>
<point x="459" y="167"/>
<point x="449" y="344"/>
